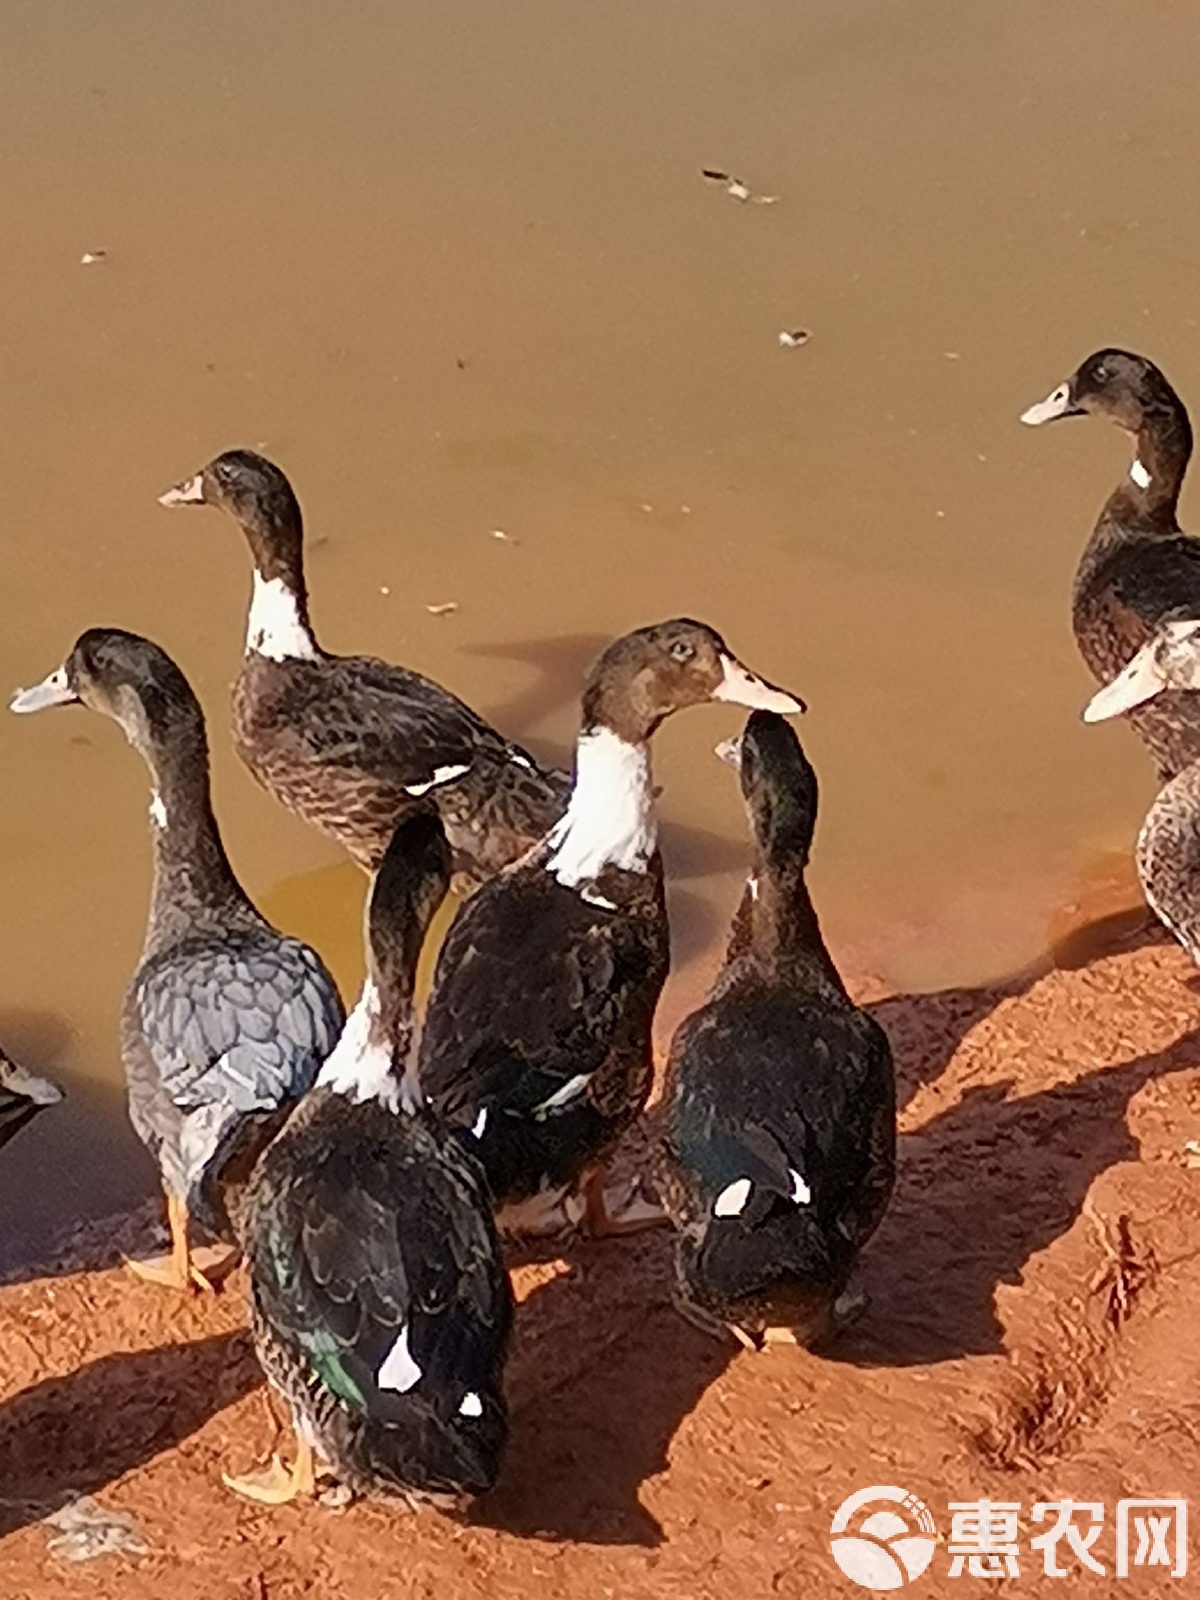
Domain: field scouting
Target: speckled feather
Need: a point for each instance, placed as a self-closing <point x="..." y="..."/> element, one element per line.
<point x="219" y="1037"/>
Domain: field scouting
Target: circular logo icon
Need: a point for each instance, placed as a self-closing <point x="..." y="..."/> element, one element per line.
<point x="889" y="1544"/>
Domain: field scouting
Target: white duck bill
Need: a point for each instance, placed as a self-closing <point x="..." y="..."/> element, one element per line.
<point x="1054" y="405"/>
<point x="188" y="493"/>
<point x="52" y="691"/>
<point x="742" y="688"/>
<point x="1140" y="681"/>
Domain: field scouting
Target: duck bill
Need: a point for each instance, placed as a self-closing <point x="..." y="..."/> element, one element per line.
<point x="730" y="750"/>
<point x="1054" y="405"/>
<point x="741" y="688"/>
<point x="52" y="691"/>
<point x="1140" y="681"/>
<point x="188" y="493"/>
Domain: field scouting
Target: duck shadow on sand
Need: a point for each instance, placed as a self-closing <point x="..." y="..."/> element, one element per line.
<point x="986" y="1184"/>
<point x="603" y="1373"/>
<point x="74" y="1434"/>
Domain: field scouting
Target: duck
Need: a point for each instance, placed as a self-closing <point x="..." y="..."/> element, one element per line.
<point x="1139" y="565"/>
<point x="22" y="1096"/>
<point x="537" y="1035"/>
<point x="380" y="1306"/>
<point x="1168" y="846"/>
<point x="351" y="743"/>
<point x="226" y="1021"/>
<point x="777" y="1156"/>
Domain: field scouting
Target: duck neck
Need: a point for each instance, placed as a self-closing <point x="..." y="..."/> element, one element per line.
<point x="609" y="821"/>
<point x="377" y="1035"/>
<point x="1150" y="489"/>
<point x="278" y="627"/>
<point x="778" y="922"/>
<point x="194" y="884"/>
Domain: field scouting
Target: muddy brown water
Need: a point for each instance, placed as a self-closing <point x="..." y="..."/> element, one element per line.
<point x="455" y="267"/>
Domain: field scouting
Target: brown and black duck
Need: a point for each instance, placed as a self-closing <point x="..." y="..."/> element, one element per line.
<point x="537" y="1035"/>
<point x="1138" y="567"/>
<point x="352" y="743"/>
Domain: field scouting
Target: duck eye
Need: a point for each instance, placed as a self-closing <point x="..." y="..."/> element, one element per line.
<point x="682" y="650"/>
<point x="1101" y="374"/>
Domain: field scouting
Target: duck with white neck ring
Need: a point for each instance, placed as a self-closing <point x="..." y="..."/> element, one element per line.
<point x="1138" y="567"/>
<point x="226" y="1021"/>
<point x="779" y="1152"/>
<point x="379" y="1303"/>
<point x="537" y="1037"/>
<point x="352" y="743"/>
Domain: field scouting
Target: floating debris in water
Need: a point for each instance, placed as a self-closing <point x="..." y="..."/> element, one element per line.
<point x="93" y="258"/>
<point x="444" y="610"/>
<point x="735" y="187"/>
<point x="792" y="339"/>
<point x="86" y="1529"/>
<point x="383" y="589"/>
<point x="1191" y="1154"/>
<point x="507" y="538"/>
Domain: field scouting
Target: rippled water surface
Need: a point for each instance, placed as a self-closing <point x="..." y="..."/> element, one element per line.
<point x="454" y="265"/>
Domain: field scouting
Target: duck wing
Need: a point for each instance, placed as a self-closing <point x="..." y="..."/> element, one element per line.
<point x="233" y="1029"/>
<point x="396" y="725"/>
<point x="540" y="1017"/>
<point x="375" y="1265"/>
<point x="22" y="1096"/>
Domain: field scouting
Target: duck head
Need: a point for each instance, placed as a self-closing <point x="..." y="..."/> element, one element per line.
<point x="129" y="679"/>
<point x="1125" y="388"/>
<point x="1170" y="659"/>
<point x="644" y="676"/>
<point x="779" y="787"/>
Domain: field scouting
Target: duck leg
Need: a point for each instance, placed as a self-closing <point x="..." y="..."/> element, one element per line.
<point x="609" y="1214"/>
<point x="277" y="1485"/>
<point x="176" y="1270"/>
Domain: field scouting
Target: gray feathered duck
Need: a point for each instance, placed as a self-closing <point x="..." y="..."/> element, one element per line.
<point x="537" y="1037"/>
<point x="22" y="1096"/>
<point x="1138" y="568"/>
<point x="352" y="743"/>
<point x="380" y="1306"/>
<point x="225" y="1021"/>
<point x="1168" y="846"/>
<point x="779" y="1153"/>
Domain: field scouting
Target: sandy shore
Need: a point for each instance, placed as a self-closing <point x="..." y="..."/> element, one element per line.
<point x="1030" y="1335"/>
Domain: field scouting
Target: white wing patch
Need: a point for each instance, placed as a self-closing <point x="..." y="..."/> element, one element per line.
<point x="441" y="775"/>
<point x="399" y="1371"/>
<point x="801" y="1193"/>
<point x="731" y="1201"/>
<point x="472" y="1405"/>
<point x="480" y="1123"/>
<point x="571" y="1090"/>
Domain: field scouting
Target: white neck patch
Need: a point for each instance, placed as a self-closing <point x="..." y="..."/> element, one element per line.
<point x="275" y="629"/>
<point x="357" y="1066"/>
<point x="1139" y="474"/>
<point x="158" y="811"/>
<point x="609" y="821"/>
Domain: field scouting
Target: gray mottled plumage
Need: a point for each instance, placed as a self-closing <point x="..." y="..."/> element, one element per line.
<point x="226" y="1021"/>
<point x="220" y="1035"/>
